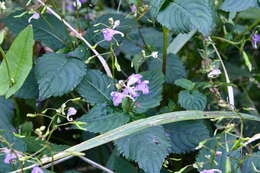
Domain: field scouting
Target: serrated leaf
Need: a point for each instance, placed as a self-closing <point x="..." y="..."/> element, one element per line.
<point x="185" y="83"/>
<point x="19" y="63"/>
<point x="56" y="74"/>
<point x="48" y="29"/>
<point x="209" y="159"/>
<point x="119" y="164"/>
<point x="174" y="69"/>
<point x="96" y="87"/>
<point x="252" y="163"/>
<point x="155" y="6"/>
<point x="238" y="5"/>
<point x="102" y="118"/>
<point x="193" y="100"/>
<point x="185" y="136"/>
<point x="148" y="148"/>
<point x="153" y="99"/>
<point x="187" y="15"/>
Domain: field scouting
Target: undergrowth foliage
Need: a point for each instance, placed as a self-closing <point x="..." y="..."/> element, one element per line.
<point x="129" y="86"/>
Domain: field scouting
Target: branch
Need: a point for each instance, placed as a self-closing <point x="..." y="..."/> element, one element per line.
<point x="79" y="36"/>
<point x="142" y="124"/>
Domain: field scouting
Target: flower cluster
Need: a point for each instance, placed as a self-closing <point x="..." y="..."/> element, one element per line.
<point x="109" y="33"/>
<point x="130" y="88"/>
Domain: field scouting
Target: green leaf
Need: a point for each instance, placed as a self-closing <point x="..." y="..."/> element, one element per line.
<point x="193" y="100"/>
<point x="57" y="75"/>
<point x="187" y="15"/>
<point x="102" y="118"/>
<point x="252" y="163"/>
<point x="238" y="5"/>
<point x="251" y="13"/>
<point x="208" y="159"/>
<point x="119" y="164"/>
<point x="96" y="87"/>
<point x="148" y="148"/>
<point x="185" y="83"/>
<point x="186" y="136"/>
<point x="48" y="29"/>
<point x="174" y="70"/>
<point x="30" y="88"/>
<point x="153" y="99"/>
<point x="19" y="63"/>
<point x="155" y="6"/>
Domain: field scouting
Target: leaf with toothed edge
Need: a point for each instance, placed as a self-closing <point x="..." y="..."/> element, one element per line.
<point x="148" y="148"/>
<point x="57" y="74"/>
<point x="238" y="5"/>
<point x="192" y="100"/>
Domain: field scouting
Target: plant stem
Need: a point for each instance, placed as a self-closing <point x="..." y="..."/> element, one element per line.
<point x="165" y="47"/>
<point x="113" y="59"/>
<point x="79" y="36"/>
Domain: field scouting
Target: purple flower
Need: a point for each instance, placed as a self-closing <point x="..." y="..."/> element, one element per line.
<point x="83" y="1"/>
<point x="143" y="87"/>
<point x="37" y="169"/>
<point x="117" y="97"/>
<point x="218" y="153"/>
<point x="71" y="111"/>
<point x="133" y="79"/>
<point x="133" y="8"/>
<point x="211" y="171"/>
<point x="10" y="155"/>
<point x="109" y="33"/>
<point x="214" y="73"/>
<point x="255" y="40"/>
<point x="70" y="7"/>
<point x="34" y="16"/>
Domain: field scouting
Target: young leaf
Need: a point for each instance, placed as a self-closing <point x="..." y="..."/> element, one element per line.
<point x="17" y="64"/>
<point x="187" y="15"/>
<point x="185" y="83"/>
<point x="148" y="148"/>
<point x="238" y="5"/>
<point x="101" y="118"/>
<point x="186" y="136"/>
<point x="96" y="87"/>
<point x="193" y="100"/>
<point x="57" y="75"/>
<point x="153" y="99"/>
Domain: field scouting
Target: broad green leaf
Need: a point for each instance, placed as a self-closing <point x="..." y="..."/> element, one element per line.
<point x="251" y="13"/>
<point x="187" y="15"/>
<point x="186" y="136"/>
<point x="119" y="164"/>
<point x="185" y="83"/>
<point x="19" y="63"/>
<point x="148" y="148"/>
<point x="57" y="74"/>
<point x="30" y="88"/>
<point x="48" y="29"/>
<point x="174" y="69"/>
<point x="153" y="99"/>
<point x="238" y="5"/>
<point x="102" y="118"/>
<point x="96" y="87"/>
<point x="221" y="144"/>
<point x="252" y="163"/>
<point x="179" y="41"/>
<point x="155" y="6"/>
<point x="192" y="100"/>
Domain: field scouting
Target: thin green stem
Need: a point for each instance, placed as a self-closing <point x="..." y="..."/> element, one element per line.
<point x="165" y="48"/>
<point x="113" y="59"/>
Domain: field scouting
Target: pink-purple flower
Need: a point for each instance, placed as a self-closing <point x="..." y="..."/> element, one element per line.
<point x="71" y="111"/>
<point x="34" y="16"/>
<point x="10" y="155"/>
<point x="133" y="8"/>
<point x="255" y="40"/>
<point x="109" y="33"/>
<point x="211" y="171"/>
<point x="37" y="169"/>
<point x="132" y="88"/>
